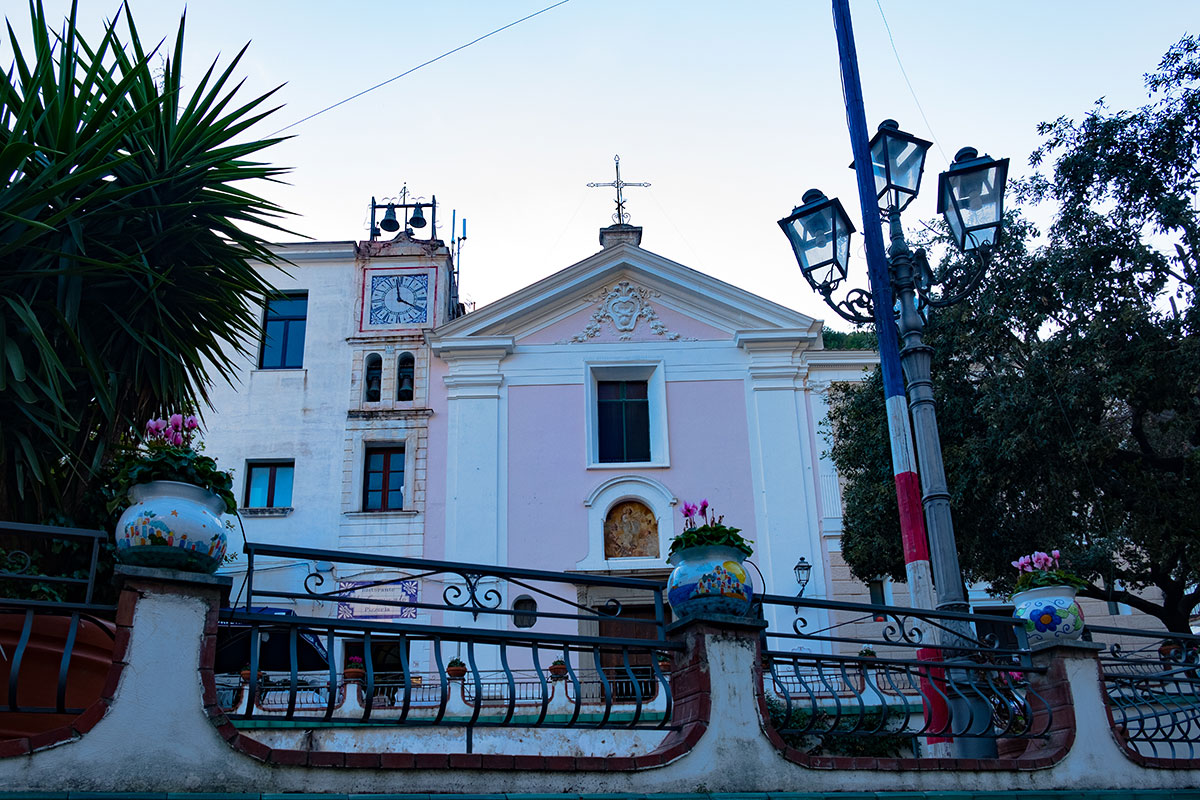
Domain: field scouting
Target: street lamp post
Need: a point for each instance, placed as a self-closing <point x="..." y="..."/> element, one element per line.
<point x="970" y="197"/>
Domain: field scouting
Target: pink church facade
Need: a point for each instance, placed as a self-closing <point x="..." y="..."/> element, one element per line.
<point x="734" y="391"/>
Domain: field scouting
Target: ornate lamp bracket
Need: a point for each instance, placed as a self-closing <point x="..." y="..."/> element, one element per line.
<point x="858" y="306"/>
<point x="954" y="287"/>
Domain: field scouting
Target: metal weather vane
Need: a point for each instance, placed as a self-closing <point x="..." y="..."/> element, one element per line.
<point x="621" y="216"/>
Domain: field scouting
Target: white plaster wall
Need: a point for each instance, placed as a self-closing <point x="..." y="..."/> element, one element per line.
<point x="158" y="737"/>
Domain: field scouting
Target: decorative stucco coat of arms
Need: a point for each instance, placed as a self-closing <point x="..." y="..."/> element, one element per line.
<point x="623" y="305"/>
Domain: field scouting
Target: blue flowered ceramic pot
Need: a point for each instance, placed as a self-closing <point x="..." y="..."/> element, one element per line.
<point x="174" y="525"/>
<point x="709" y="580"/>
<point x="1050" y="614"/>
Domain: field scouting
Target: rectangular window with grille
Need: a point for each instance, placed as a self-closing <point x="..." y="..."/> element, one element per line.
<point x="283" y="332"/>
<point x="623" y="421"/>
<point x="383" y="479"/>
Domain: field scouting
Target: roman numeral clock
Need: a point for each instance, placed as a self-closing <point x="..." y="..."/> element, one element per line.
<point x="398" y="299"/>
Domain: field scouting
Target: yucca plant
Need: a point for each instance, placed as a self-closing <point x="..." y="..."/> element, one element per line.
<point x="126" y="277"/>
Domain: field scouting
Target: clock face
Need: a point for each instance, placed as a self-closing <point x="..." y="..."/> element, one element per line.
<point x="399" y="299"/>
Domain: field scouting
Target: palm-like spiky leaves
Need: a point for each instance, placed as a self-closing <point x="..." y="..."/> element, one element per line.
<point x="126" y="282"/>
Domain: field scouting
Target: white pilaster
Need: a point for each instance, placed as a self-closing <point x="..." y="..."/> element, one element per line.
<point x="475" y="478"/>
<point x="786" y="514"/>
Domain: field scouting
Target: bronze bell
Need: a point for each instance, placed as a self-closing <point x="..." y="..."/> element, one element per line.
<point x="389" y="222"/>
<point x="417" y="220"/>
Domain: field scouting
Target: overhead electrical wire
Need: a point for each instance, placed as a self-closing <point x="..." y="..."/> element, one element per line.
<point x="911" y="91"/>
<point x="418" y="66"/>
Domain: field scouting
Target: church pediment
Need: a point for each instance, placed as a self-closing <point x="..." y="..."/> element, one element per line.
<point x="625" y="294"/>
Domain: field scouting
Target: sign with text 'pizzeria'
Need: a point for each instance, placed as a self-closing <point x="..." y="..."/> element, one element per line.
<point x="374" y="599"/>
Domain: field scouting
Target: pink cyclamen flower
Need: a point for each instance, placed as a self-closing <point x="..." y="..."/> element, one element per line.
<point x="703" y="506"/>
<point x="176" y="421"/>
<point x="689" y="509"/>
<point x="1055" y="553"/>
<point x="190" y="422"/>
<point x="160" y="425"/>
<point x="177" y="439"/>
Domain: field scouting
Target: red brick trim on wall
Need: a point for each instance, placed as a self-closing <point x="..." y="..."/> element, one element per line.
<point x="77" y="727"/>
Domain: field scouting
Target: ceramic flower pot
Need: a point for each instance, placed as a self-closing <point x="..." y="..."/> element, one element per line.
<point x="456" y="672"/>
<point x="172" y="524"/>
<point x="1050" y="614"/>
<point x="709" y="580"/>
<point x="353" y="674"/>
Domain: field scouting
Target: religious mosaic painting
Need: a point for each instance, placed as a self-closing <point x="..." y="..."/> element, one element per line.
<point x="630" y="531"/>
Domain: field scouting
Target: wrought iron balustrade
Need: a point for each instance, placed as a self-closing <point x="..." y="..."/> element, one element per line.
<point x="56" y="638"/>
<point x="895" y="674"/>
<point x="1152" y="684"/>
<point x="441" y="611"/>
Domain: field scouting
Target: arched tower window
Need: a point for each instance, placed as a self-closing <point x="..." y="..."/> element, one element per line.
<point x="630" y="531"/>
<point x="405" y="372"/>
<point x="372" y="378"/>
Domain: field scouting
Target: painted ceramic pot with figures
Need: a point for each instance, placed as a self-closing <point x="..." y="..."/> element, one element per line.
<point x="710" y="575"/>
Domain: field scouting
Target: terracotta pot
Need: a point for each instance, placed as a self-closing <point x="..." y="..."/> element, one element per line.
<point x="37" y="682"/>
<point x="456" y="672"/>
<point x="709" y="580"/>
<point x="172" y="524"/>
<point x="354" y="674"/>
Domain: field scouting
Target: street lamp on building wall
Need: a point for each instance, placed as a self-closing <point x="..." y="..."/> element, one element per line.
<point x="802" y="570"/>
<point x="971" y="198"/>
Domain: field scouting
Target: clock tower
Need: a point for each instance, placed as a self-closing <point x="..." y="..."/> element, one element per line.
<point x="404" y="287"/>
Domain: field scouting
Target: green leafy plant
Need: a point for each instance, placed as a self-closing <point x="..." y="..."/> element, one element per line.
<point x="1042" y="569"/>
<point x="1066" y="385"/>
<point x="558" y="662"/>
<point x="703" y="528"/>
<point x="456" y="662"/>
<point x="131" y="249"/>
<point x="169" y="452"/>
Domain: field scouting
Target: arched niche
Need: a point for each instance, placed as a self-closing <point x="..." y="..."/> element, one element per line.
<point x="609" y="501"/>
<point x="372" y="378"/>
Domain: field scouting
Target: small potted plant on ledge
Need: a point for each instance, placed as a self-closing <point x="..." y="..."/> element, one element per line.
<point x="175" y="496"/>
<point x="558" y="669"/>
<point x="664" y="661"/>
<point x="709" y="576"/>
<point x="1045" y="599"/>
<point x="354" y="670"/>
<point x="456" y="669"/>
<point x="866" y="651"/>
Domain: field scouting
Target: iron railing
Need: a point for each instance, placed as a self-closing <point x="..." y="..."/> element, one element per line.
<point x="864" y="679"/>
<point x="48" y="617"/>
<point x="1152" y="683"/>
<point x="438" y="611"/>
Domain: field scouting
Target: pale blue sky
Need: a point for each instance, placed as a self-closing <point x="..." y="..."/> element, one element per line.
<point x="730" y="110"/>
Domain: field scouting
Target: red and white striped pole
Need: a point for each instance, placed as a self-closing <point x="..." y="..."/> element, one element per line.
<point x="904" y="465"/>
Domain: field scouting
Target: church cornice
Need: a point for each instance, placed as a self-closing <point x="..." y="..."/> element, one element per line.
<point x="389" y="413"/>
